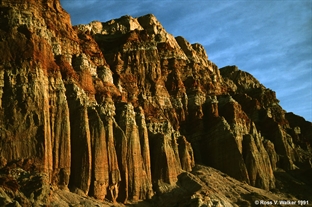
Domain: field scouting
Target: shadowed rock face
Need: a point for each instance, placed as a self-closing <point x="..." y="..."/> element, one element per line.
<point x="118" y="110"/>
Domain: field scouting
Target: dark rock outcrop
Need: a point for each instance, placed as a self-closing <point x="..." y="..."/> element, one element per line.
<point x="122" y="111"/>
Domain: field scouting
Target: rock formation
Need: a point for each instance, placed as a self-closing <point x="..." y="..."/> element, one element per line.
<point x="122" y="111"/>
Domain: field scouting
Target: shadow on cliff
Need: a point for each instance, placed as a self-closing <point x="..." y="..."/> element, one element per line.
<point x="179" y="195"/>
<point x="294" y="183"/>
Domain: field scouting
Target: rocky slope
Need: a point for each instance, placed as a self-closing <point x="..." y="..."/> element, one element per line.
<point x="122" y="111"/>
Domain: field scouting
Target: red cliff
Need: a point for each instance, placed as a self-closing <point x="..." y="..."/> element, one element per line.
<point x="122" y="111"/>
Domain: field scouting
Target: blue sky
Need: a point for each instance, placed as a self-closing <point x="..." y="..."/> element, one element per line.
<point x="272" y="40"/>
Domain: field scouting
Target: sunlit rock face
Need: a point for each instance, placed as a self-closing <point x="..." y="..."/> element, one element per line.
<point x="123" y="110"/>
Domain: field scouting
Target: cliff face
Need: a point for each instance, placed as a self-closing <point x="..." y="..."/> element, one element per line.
<point x="118" y="110"/>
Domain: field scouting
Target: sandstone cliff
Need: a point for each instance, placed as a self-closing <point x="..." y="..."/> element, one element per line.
<point x="122" y="111"/>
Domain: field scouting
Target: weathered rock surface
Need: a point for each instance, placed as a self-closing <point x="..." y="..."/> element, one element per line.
<point x="122" y="111"/>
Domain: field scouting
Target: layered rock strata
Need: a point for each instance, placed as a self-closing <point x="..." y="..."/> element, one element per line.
<point x="118" y="110"/>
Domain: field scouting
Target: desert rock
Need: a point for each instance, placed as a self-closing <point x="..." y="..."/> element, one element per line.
<point x="124" y="112"/>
